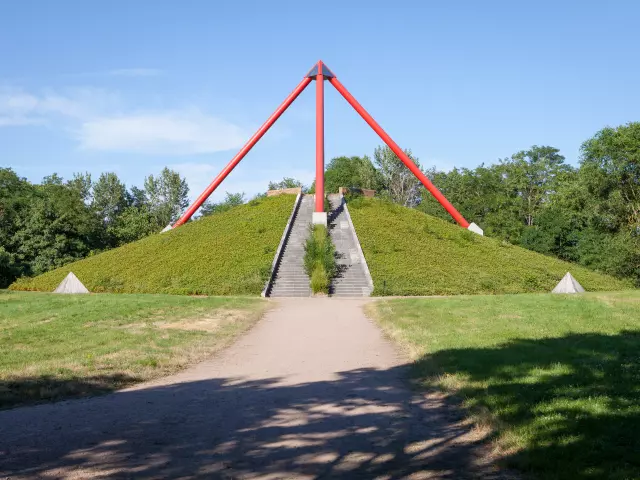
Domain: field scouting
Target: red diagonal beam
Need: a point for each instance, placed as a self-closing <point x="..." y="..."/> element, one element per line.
<point x="401" y="155"/>
<point x="241" y="154"/>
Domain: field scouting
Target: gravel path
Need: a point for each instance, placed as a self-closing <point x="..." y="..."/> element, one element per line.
<point x="313" y="391"/>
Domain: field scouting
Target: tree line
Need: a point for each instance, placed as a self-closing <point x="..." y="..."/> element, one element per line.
<point x="46" y="225"/>
<point x="589" y="214"/>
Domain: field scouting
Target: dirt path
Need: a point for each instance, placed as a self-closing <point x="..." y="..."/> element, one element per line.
<point x="313" y="391"/>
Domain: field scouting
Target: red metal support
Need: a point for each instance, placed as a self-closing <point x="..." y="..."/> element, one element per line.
<point x="241" y="154"/>
<point x="398" y="151"/>
<point x="319" y="139"/>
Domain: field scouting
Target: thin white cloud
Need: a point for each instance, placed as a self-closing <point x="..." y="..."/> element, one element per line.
<point x="165" y="133"/>
<point x="99" y="121"/>
<point x="21" y="108"/>
<point x="135" y="72"/>
<point x="19" y="121"/>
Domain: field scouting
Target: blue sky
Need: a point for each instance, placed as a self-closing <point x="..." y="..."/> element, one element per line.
<point x="133" y="86"/>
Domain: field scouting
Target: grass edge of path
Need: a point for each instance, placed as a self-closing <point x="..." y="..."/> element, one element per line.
<point x="144" y="340"/>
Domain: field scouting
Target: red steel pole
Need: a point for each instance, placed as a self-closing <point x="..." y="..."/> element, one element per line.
<point x="320" y="140"/>
<point x="241" y="154"/>
<point x="398" y="151"/>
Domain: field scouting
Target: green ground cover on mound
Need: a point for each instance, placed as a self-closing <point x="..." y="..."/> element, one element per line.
<point x="228" y="253"/>
<point x="554" y="378"/>
<point x="411" y="253"/>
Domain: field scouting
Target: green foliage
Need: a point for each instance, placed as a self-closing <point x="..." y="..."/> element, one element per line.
<point x="555" y="376"/>
<point x="133" y="224"/>
<point x="45" y="226"/>
<point x="504" y="198"/>
<point x="611" y="166"/>
<point x="224" y="254"/>
<point x="320" y="281"/>
<point x="56" y="228"/>
<point x="399" y="184"/>
<point x="319" y="259"/>
<point x="533" y="199"/>
<point x="351" y="172"/>
<point x="286" y="182"/>
<point x="64" y="346"/>
<point x="410" y="253"/>
<point x="9" y="267"/>
<point x="167" y="196"/>
<point x="231" y="200"/>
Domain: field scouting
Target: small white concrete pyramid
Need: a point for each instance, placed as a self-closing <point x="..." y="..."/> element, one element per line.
<point x="71" y="284"/>
<point x="568" y="284"/>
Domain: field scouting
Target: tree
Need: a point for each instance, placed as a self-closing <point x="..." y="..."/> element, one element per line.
<point x="532" y="176"/>
<point x="351" y="172"/>
<point x="400" y="184"/>
<point x="231" y="200"/>
<point x="57" y="228"/>
<point x="9" y="268"/>
<point x="109" y="198"/>
<point x="137" y="197"/>
<point x="286" y="182"/>
<point x="15" y="200"/>
<point x="83" y="184"/>
<point x="167" y="196"/>
<point x="132" y="224"/>
<point x="53" y="179"/>
<point x="481" y="196"/>
<point x="610" y="168"/>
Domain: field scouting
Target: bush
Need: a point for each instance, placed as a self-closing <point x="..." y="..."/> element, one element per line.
<point x="319" y="259"/>
<point x="319" y="280"/>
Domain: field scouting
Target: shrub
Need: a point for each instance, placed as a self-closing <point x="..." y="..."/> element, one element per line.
<point x="319" y="259"/>
<point x="319" y="280"/>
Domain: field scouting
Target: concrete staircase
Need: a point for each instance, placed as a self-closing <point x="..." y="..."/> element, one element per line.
<point x="291" y="279"/>
<point x="352" y="279"/>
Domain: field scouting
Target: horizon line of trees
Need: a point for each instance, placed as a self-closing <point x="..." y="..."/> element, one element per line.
<point x="589" y="214"/>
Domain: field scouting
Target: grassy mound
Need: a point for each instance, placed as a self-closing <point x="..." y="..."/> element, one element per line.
<point x="228" y="253"/>
<point x="411" y="253"/>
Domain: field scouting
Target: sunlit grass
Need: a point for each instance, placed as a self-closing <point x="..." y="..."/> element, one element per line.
<point x="60" y="346"/>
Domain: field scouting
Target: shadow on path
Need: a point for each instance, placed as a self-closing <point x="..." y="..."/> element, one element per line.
<point x="361" y="424"/>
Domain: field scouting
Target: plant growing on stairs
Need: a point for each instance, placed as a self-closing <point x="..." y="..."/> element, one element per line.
<point x="319" y="259"/>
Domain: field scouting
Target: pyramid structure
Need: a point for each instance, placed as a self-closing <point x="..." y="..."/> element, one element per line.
<point x="71" y="284"/>
<point x="568" y="284"/>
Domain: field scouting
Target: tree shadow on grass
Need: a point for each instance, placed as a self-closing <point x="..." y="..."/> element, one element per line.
<point x="363" y="423"/>
<point x="574" y="400"/>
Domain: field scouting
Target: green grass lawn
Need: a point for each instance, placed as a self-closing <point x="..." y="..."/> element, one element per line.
<point x="63" y="346"/>
<point x="557" y="377"/>
<point x="411" y="253"/>
<point x="228" y="253"/>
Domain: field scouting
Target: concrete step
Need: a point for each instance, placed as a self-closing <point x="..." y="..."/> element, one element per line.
<point x="351" y="280"/>
<point x="290" y="279"/>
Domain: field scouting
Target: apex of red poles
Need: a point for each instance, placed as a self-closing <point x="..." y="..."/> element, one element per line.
<point x="319" y="73"/>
